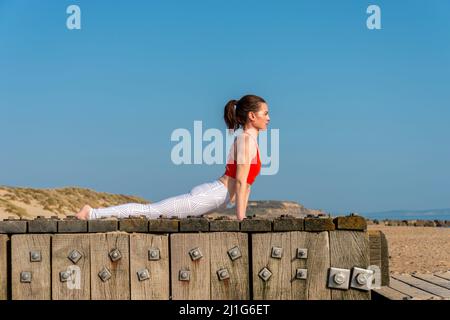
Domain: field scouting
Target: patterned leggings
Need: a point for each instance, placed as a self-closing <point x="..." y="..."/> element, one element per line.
<point x="201" y="199"/>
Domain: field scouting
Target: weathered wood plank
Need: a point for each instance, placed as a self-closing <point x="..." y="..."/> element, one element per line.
<point x="278" y="286"/>
<point x="103" y="225"/>
<point x="319" y="224"/>
<point x="3" y="267"/>
<point x="133" y="225"/>
<point x="237" y="286"/>
<point x="72" y="225"/>
<point x="224" y="225"/>
<point x="199" y="285"/>
<point x="352" y="222"/>
<point x="317" y="264"/>
<point x="21" y="247"/>
<point x="256" y="225"/>
<point x="391" y="294"/>
<point x="423" y="285"/>
<point x="117" y="287"/>
<point x="379" y="254"/>
<point x="433" y="279"/>
<point x="163" y="225"/>
<point x="443" y="275"/>
<point x="288" y="224"/>
<point x="414" y="292"/>
<point x="78" y="286"/>
<point x="349" y="249"/>
<point x="13" y="226"/>
<point x="194" y="224"/>
<point x="42" y="225"/>
<point x="156" y="287"/>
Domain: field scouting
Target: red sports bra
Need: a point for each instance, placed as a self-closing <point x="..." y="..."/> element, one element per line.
<point x="255" y="168"/>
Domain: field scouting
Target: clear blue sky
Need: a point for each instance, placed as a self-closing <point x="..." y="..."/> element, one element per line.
<point x="364" y="116"/>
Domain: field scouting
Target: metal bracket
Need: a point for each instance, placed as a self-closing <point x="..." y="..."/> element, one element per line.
<point x="361" y="279"/>
<point x="25" y="276"/>
<point x="143" y="274"/>
<point x="115" y="255"/>
<point x="265" y="274"/>
<point x="104" y="274"/>
<point x="75" y="256"/>
<point x="195" y="254"/>
<point x="234" y="253"/>
<point x="154" y="254"/>
<point x="35" y="256"/>
<point x="339" y="278"/>
<point x="302" y="253"/>
<point x="277" y="252"/>
<point x="184" y="275"/>
<point x="301" y="274"/>
<point x="223" y="274"/>
<point x="64" y="276"/>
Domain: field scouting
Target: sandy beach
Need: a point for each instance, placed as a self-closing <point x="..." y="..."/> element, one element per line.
<point x="417" y="249"/>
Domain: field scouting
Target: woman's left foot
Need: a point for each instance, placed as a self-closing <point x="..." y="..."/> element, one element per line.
<point x="83" y="214"/>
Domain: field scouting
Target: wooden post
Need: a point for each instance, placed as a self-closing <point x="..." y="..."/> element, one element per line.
<point x="317" y="263"/>
<point x="198" y="287"/>
<point x="30" y="280"/>
<point x="236" y="286"/>
<point x="156" y="286"/>
<point x="3" y="267"/>
<point x="278" y="286"/>
<point x="117" y="286"/>
<point x="70" y="254"/>
<point x="349" y="249"/>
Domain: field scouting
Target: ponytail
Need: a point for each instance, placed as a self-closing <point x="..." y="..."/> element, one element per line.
<point x="230" y="115"/>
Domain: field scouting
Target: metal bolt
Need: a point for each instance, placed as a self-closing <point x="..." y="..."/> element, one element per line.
<point x="64" y="276"/>
<point x="195" y="254"/>
<point x="153" y="254"/>
<point x="339" y="278"/>
<point x="143" y="274"/>
<point x="265" y="274"/>
<point x="35" y="256"/>
<point x="277" y="252"/>
<point x="104" y="274"/>
<point x="234" y="253"/>
<point x="25" y="276"/>
<point x="223" y="274"/>
<point x="75" y="256"/>
<point x="184" y="275"/>
<point x="302" y="253"/>
<point x="301" y="273"/>
<point x="361" y="279"/>
<point x="115" y="255"/>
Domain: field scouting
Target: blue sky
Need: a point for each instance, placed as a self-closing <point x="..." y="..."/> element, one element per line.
<point x="363" y="115"/>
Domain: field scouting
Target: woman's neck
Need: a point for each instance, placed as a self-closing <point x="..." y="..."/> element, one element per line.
<point x="252" y="131"/>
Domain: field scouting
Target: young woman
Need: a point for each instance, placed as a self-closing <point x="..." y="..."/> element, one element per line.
<point x="233" y="188"/>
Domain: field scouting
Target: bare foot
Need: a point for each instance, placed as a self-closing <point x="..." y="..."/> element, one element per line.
<point x="83" y="214"/>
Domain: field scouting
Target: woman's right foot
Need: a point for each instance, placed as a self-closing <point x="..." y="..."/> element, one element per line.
<point x="83" y="214"/>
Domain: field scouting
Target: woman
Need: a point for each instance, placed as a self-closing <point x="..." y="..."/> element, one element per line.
<point x="243" y="165"/>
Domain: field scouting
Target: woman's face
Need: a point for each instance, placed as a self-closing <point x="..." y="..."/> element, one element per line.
<point x="260" y="119"/>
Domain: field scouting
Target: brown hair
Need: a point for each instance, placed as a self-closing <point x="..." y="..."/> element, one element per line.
<point x="237" y="117"/>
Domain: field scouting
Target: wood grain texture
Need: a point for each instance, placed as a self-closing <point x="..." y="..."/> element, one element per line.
<point x="411" y="291"/>
<point x="391" y="294"/>
<point x="349" y="249"/>
<point x="278" y="287"/>
<point x="317" y="264"/>
<point x="118" y="286"/>
<point x="433" y="279"/>
<point x="199" y="286"/>
<point x="78" y="287"/>
<point x="423" y="285"/>
<point x="40" y="286"/>
<point x="3" y="267"/>
<point x="157" y="286"/>
<point x="237" y="287"/>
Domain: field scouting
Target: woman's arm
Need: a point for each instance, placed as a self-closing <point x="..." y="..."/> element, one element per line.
<point x="246" y="150"/>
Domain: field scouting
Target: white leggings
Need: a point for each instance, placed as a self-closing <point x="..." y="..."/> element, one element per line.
<point x="201" y="199"/>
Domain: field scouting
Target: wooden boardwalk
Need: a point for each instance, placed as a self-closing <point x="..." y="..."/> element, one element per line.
<point x="416" y="286"/>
